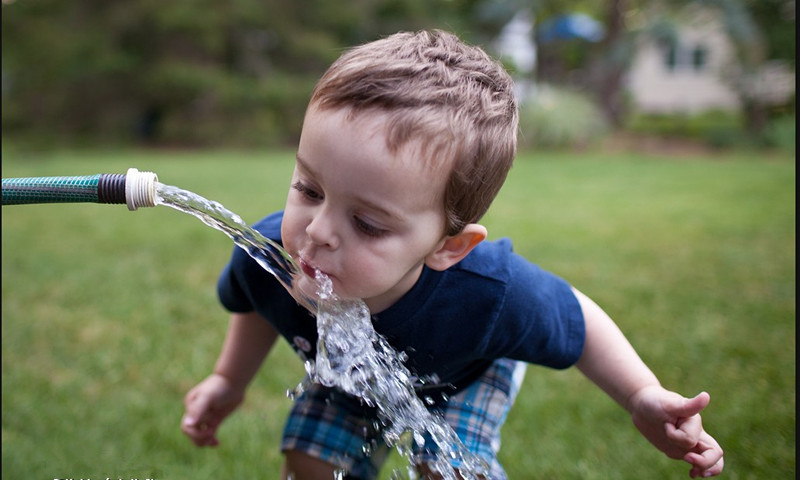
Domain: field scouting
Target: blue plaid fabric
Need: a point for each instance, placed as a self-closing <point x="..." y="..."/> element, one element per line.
<point x="335" y="427"/>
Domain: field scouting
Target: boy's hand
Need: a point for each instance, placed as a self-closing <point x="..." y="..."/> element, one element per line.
<point x="207" y="405"/>
<point x="672" y="423"/>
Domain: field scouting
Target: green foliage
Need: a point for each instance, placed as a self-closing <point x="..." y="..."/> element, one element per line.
<point x="555" y="117"/>
<point x="781" y="133"/>
<point x="110" y="316"/>
<point x="183" y="72"/>
<point x="717" y="128"/>
<point x="776" y="18"/>
<point x="242" y="111"/>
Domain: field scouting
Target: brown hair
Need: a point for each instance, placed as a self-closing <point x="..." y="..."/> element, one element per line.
<point x="451" y="97"/>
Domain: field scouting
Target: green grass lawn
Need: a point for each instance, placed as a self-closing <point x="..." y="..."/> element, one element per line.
<point x="110" y="316"/>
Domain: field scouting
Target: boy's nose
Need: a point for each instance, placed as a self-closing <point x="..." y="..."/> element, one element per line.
<point x="322" y="231"/>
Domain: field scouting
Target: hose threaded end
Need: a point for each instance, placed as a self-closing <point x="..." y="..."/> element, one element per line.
<point x="140" y="189"/>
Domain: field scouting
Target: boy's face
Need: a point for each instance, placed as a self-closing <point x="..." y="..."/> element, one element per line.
<point x="362" y="215"/>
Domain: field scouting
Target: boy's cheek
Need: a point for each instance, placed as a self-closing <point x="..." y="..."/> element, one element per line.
<point x="288" y="235"/>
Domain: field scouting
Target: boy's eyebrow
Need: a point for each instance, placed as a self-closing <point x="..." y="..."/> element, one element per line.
<point x="369" y="204"/>
<point x="302" y="163"/>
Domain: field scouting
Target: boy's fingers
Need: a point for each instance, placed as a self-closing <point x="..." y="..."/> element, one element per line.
<point x="686" y="432"/>
<point x="201" y="433"/>
<point x="690" y="406"/>
<point x="195" y="421"/>
<point x="197" y="408"/>
<point x="700" y="470"/>
<point x="707" y="458"/>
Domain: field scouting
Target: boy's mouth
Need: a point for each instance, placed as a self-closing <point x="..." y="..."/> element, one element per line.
<point x="308" y="269"/>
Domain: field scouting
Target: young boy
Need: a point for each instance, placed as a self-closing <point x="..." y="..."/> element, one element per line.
<point x="405" y="143"/>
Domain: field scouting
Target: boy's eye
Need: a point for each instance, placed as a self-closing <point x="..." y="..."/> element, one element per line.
<point x="307" y="191"/>
<point x="368" y="229"/>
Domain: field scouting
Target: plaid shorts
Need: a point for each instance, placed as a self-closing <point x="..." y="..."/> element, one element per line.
<point x="333" y="426"/>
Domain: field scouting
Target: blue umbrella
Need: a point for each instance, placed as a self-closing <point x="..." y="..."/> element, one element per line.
<point x="575" y="25"/>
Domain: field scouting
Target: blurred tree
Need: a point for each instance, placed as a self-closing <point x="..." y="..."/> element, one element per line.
<point x="777" y="21"/>
<point x="616" y="53"/>
<point x="585" y="64"/>
<point x="185" y="71"/>
<point x="762" y="31"/>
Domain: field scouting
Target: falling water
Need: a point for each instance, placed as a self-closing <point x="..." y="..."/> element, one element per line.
<point x="350" y="354"/>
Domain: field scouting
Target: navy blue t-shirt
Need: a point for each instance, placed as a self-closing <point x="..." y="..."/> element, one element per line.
<point x="451" y="324"/>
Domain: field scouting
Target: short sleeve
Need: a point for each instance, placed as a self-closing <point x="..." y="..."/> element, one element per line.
<point x="229" y="291"/>
<point x="541" y="321"/>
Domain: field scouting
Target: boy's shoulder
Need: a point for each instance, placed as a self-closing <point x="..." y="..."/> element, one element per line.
<point x="494" y="268"/>
<point x="491" y="259"/>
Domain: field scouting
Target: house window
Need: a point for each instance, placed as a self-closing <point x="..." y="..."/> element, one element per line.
<point x="671" y="57"/>
<point x="699" y="55"/>
<point x="684" y="58"/>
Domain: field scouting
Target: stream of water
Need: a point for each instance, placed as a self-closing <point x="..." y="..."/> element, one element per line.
<point x="350" y="354"/>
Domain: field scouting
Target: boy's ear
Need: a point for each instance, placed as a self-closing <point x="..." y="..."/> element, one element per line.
<point x="454" y="248"/>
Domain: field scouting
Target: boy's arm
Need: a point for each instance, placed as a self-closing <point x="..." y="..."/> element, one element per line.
<point x="248" y="341"/>
<point x="668" y="420"/>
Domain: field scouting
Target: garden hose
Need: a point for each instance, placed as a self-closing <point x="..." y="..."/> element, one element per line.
<point x="134" y="188"/>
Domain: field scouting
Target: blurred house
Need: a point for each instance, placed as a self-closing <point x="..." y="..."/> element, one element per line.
<point x="699" y="71"/>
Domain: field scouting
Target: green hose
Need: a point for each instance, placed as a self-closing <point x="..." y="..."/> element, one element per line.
<point x="78" y="189"/>
<point x="136" y="189"/>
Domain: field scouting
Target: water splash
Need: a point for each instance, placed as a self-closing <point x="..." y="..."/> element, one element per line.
<point x="350" y="354"/>
<point x="356" y="359"/>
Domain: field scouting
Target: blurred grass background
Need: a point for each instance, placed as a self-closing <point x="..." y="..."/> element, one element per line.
<point x="110" y="316"/>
